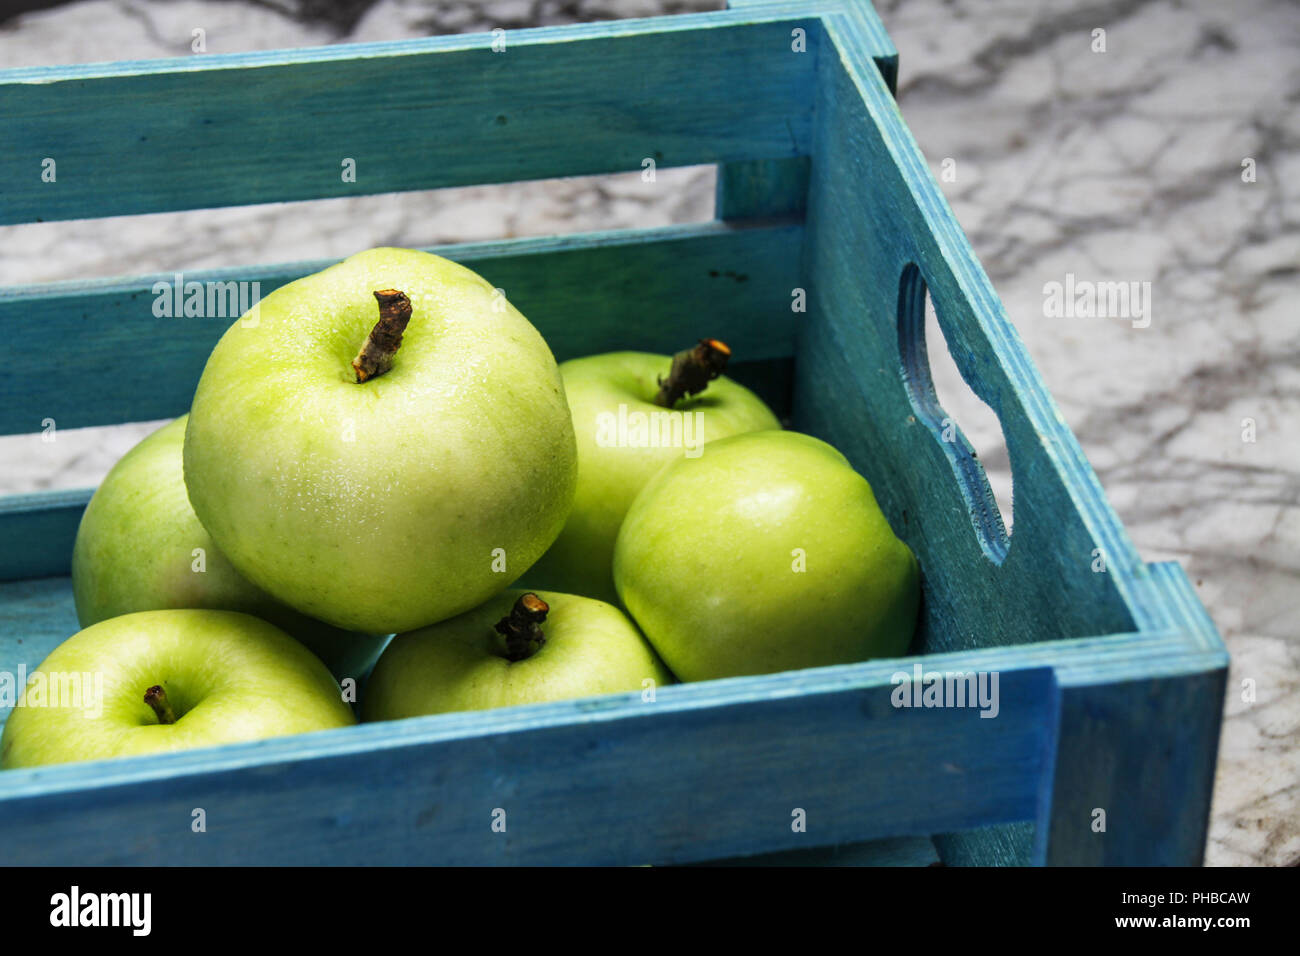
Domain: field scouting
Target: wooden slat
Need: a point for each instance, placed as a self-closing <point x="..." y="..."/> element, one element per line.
<point x="75" y="798"/>
<point x="744" y="755"/>
<point x="420" y="114"/>
<point x="652" y="289"/>
<point x="37" y="532"/>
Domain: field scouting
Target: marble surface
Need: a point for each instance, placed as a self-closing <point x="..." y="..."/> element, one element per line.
<point x="1060" y="159"/>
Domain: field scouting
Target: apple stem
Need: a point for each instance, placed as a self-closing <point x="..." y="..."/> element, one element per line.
<point x="381" y="345"/>
<point x="522" y="627"/>
<point x="156" y="698"/>
<point x="692" y="371"/>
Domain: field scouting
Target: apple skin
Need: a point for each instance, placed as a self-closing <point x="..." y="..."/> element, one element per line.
<point x="383" y="506"/>
<point x="705" y="561"/>
<point x="135" y="552"/>
<point x="230" y="677"/>
<point x="609" y="477"/>
<point x="591" y="648"/>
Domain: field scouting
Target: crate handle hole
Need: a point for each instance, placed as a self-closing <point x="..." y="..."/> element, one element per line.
<point x="941" y="394"/>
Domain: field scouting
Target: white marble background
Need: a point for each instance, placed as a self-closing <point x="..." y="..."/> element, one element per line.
<point x="1115" y="165"/>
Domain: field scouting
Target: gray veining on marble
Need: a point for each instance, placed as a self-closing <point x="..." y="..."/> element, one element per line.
<point x="1063" y="161"/>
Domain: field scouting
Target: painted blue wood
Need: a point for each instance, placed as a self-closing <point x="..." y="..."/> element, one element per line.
<point x="37" y="532"/>
<point x="892" y="851"/>
<point x="1133" y="773"/>
<point x="1111" y="680"/>
<point x="1007" y="844"/>
<point x="990" y="769"/>
<point x="860" y="244"/>
<point x="1133" y="762"/>
<point x="762" y="188"/>
<point x="586" y="293"/>
<point x="740" y="752"/>
<point x="779" y="187"/>
<point x="872" y="40"/>
<point x="36" y="616"/>
<point x="261" y="127"/>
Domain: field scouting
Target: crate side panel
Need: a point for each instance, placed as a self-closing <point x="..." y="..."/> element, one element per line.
<point x="870" y="216"/>
<point x="651" y="784"/>
<point x="637" y="289"/>
<point x="1133" y="773"/>
<point x="245" y="129"/>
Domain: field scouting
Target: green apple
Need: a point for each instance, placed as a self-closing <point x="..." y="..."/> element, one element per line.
<point x="500" y="655"/>
<point x="169" y="680"/>
<point x="380" y="476"/>
<point x="140" y="547"/>
<point x="769" y="553"/>
<point x="624" y="438"/>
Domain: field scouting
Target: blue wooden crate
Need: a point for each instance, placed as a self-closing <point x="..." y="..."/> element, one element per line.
<point x="1110" y="681"/>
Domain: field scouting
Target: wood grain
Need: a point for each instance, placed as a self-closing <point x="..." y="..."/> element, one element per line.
<point x="651" y="289"/>
<point x="561" y="773"/>
<point x="260" y="127"/>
